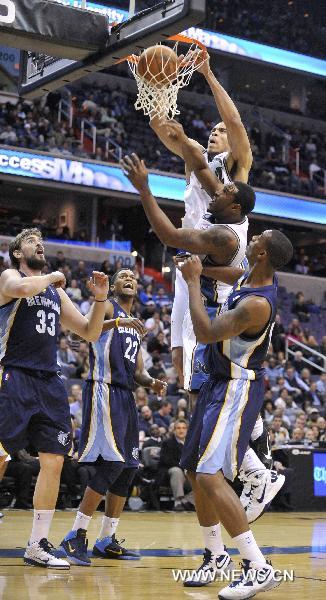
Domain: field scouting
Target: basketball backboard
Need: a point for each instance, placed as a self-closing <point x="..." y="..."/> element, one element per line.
<point x="41" y="73"/>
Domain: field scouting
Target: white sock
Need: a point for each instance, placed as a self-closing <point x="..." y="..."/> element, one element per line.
<point x="41" y="525"/>
<point x="251" y="462"/>
<point x="81" y="521"/>
<point x="258" y="429"/>
<point x="213" y="539"/>
<point x="109" y="527"/>
<point x="248" y="548"/>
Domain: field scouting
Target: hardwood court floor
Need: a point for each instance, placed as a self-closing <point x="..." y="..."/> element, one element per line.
<point x="167" y="541"/>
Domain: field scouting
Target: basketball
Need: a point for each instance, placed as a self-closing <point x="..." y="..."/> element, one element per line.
<point x="158" y="65"/>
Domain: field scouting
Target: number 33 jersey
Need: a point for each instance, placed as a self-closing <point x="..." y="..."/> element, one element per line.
<point x="29" y="329"/>
<point x="113" y="358"/>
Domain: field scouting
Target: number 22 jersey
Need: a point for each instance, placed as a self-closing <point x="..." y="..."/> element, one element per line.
<point x="113" y="358"/>
<point x="29" y="329"/>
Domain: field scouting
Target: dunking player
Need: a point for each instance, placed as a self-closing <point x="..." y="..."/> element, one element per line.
<point x="33" y="400"/>
<point x="228" y="156"/>
<point x="110" y="435"/>
<point x="229" y="402"/>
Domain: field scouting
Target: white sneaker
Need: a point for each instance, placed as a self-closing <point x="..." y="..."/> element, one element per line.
<point x="41" y="554"/>
<point x="211" y="567"/>
<point x="255" y="578"/>
<point x="246" y="492"/>
<point x="264" y="487"/>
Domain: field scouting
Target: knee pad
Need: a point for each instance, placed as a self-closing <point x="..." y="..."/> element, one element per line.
<point x="106" y="473"/>
<point x="122" y="484"/>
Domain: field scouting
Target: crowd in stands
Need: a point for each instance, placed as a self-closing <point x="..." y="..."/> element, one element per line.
<point x="35" y="125"/>
<point x="294" y="403"/>
<point x="295" y="25"/>
<point x="292" y="24"/>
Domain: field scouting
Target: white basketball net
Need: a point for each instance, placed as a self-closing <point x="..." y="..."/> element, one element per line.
<point x="157" y="99"/>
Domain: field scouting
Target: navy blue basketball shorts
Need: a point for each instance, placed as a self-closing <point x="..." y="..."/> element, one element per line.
<point x="194" y="371"/>
<point x="221" y="426"/>
<point x="34" y="409"/>
<point x="110" y="424"/>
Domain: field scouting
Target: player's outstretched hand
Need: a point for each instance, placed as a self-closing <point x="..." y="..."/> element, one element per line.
<point x="58" y="279"/>
<point x="136" y="171"/>
<point x="175" y="130"/>
<point x="133" y="323"/>
<point x="159" y="387"/>
<point x="98" y="285"/>
<point x="191" y="269"/>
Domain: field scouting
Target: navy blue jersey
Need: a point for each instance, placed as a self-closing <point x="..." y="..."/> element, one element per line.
<point x="112" y="359"/>
<point x="29" y="329"/>
<point x="241" y="357"/>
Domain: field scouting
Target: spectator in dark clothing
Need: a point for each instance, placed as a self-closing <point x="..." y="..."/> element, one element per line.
<point x="300" y="307"/>
<point x="157" y="344"/>
<point x="169" y="466"/>
<point x="278" y="335"/>
<point x="59" y="261"/>
<point x="23" y="467"/>
<point x="146" y="420"/>
<point x="154" y="439"/>
<point x="163" y="416"/>
<point x="157" y="368"/>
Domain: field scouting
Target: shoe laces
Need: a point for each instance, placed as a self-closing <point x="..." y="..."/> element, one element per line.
<point x="117" y="543"/>
<point x="207" y="559"/>
<point x="46" y="546"/>
<point x="245" y="567"/>
<point x="81" y="540"/>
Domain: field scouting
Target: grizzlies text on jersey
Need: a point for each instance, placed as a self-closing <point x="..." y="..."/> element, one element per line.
<point x="113" y="357"/>
<point x="29" y="330"/>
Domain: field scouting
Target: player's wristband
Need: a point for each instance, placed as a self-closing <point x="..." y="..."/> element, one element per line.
<point x="117" y="321"/>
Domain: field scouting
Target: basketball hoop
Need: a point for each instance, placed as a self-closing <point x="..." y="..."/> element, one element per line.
<point x="157" y="99"/>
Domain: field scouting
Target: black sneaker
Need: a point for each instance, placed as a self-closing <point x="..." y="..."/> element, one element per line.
<point x="211" y="567"/>
<point x="109" y="547"/>
<point x="74" y="547"/>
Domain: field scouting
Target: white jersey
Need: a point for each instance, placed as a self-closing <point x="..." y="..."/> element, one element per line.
<point x="216" y="292"/>
<point x="195" y="198"/>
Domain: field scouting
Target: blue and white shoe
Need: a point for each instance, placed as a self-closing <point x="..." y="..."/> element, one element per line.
<point x="42" y="554"/>
<point x="255" y="578"/>
<point x="74" y="548"/>
<point x="110" y="547"/>
<point x="265" y="485"/>
<point x="211" y="569"/>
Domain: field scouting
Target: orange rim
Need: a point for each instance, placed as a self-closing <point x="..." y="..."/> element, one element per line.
<point x="179" y="37"/>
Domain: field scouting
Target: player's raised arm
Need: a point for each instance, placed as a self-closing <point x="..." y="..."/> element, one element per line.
<point x="250" y="316"/>
<point x="194" y="158"/>
<point x="13" y="285"/>
<point x="87" y="327"/>
<point x="215" y="240"/>
<point x="236" y="132"/>
<point x="172" y="144"/>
